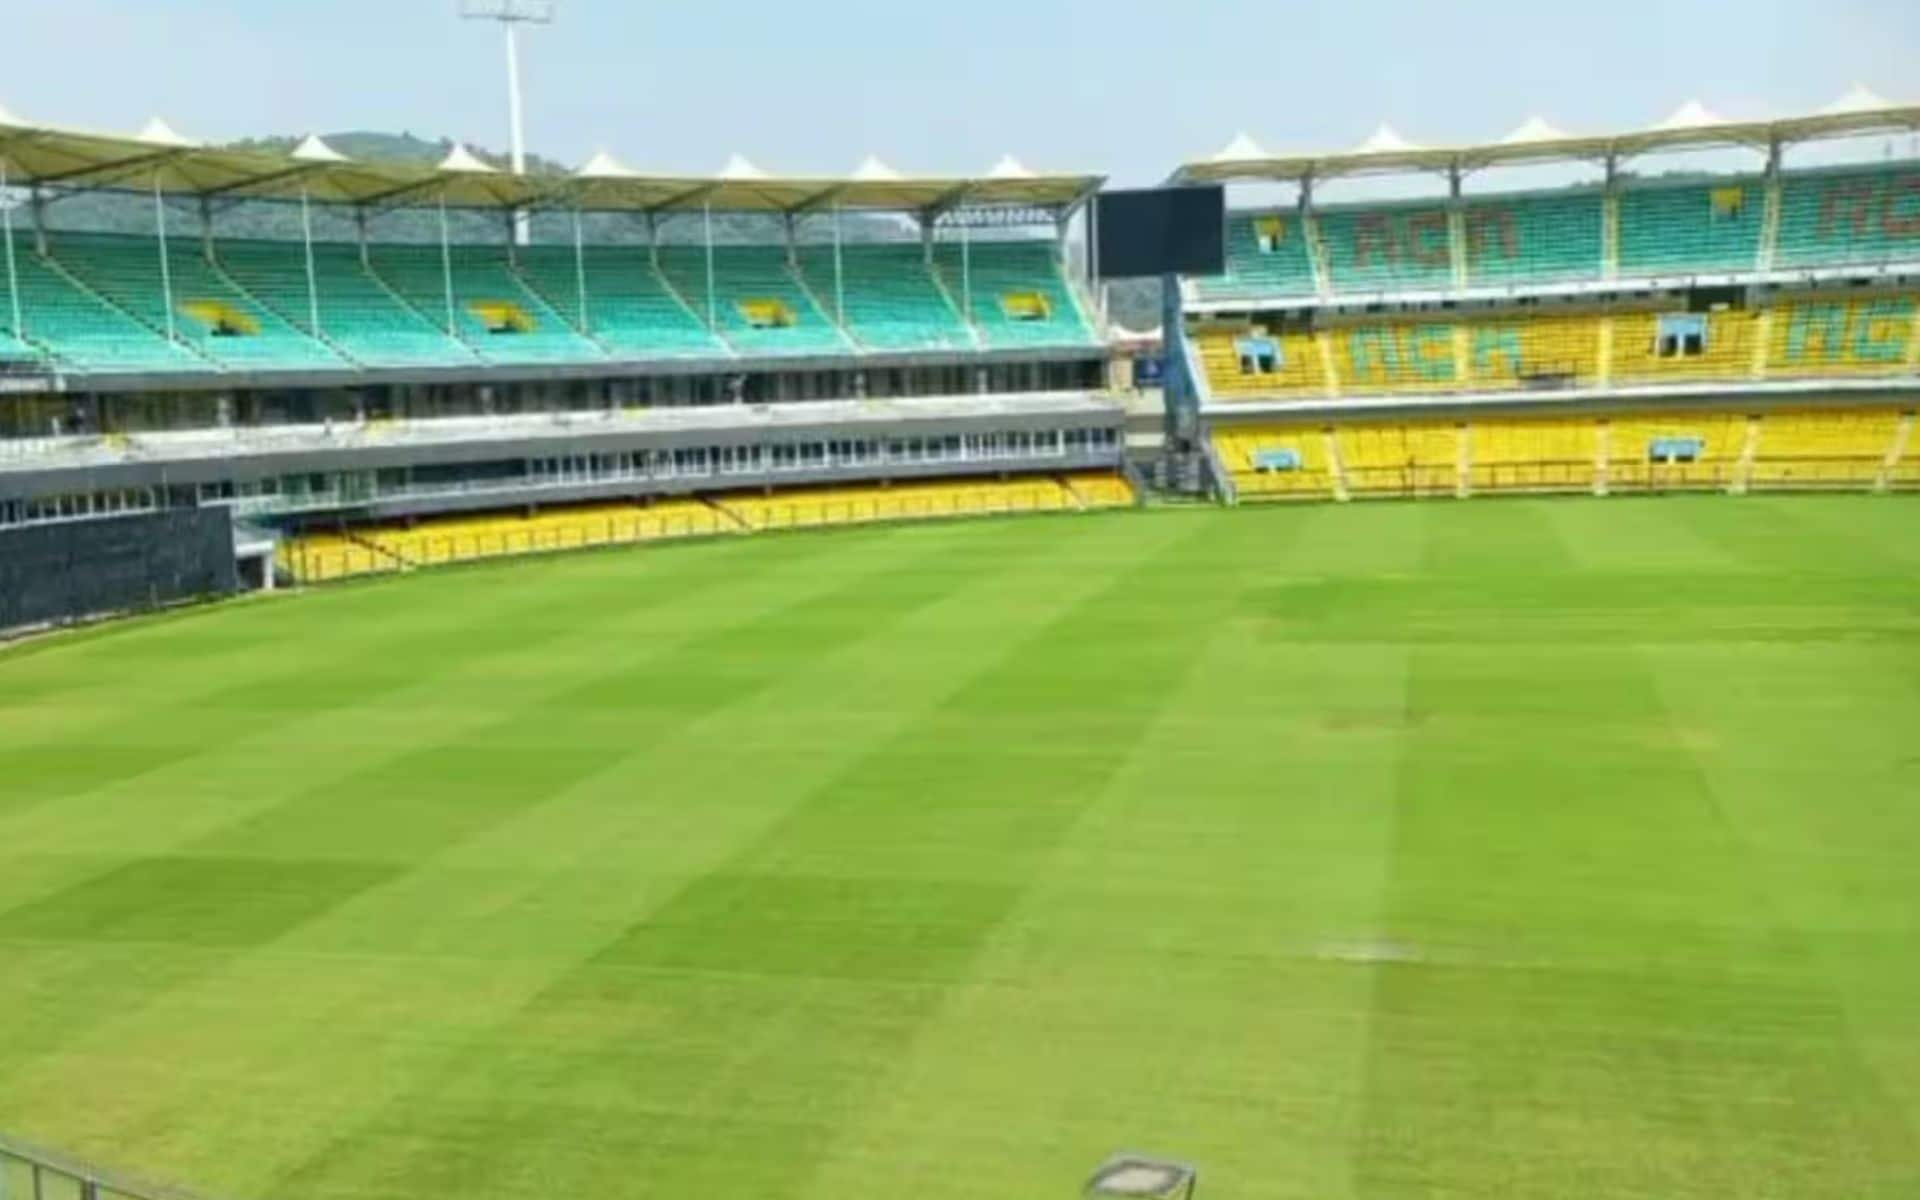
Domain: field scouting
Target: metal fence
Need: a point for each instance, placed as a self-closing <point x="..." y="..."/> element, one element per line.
<point x="29" y="1172"/>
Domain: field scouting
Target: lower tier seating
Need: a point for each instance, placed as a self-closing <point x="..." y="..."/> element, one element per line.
<point x="1613" y="453"/>
<point x="319" y="557"/>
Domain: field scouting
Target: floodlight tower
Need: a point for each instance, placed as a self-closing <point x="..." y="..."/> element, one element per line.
<point x="512" y="14"/>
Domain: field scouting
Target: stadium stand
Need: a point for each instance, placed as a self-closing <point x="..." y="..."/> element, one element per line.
<point x="325" y="555"/>
<point x="211" y="313"/>
<point x="82" y="330"/>
<point x="1019" y="297"/>
<point x="1837" y="335"/>
<point x="1415" y="458"/>
<point x="357" y="312"/>
<point x="758" y="305"/>
<point x="1668" y="451"/>
<point x="1858" y="449"/>
<point x="1277" y="461"/>
<point x="1540" y="238"/>
<point x="1850" y="217"/>
<point x="1254" y="363"/>
<point x="1823" y="448"/>
<point x="1691" y="228"/>
<point x="886" y="297"/>
<point x="1543" y="454"/>
<point x="489" y="308"/>
<point x="319" y="557"/>
<point x="1663" y="346"/>
<point x="629" y="308"/>
<point x="1267" y="255"/>
<point x="1796" y="336"/>
<point x="1387" y="248"/>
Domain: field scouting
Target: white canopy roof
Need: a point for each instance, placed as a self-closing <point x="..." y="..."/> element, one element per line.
<point x="159" y="156"/>
<point x="1693" y="124"/>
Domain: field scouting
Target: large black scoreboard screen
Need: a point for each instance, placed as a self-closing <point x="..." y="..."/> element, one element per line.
<point x="1161" y="231"/>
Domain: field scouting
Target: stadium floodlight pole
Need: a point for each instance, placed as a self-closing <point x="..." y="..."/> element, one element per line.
<point x="313" y="283"/>
<point x="511" y="14"/>
<point x="166" y="268"/>
<point x="13" y="272"/>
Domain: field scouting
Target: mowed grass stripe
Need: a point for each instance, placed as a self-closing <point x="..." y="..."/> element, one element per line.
<point x="726" y="1035"/>
<point x="808" y="618"/>
<point x="1247" y="909"/>
<point x="1171" y="978"/>
<point x="1554" y="990"/>
<point x="420" y="800"/>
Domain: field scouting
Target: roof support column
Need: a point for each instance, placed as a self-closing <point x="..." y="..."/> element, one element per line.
<point x="306" y="239"/>
<point x="653" y="239"/>
<point x="206" y="227"/>
<point x="13" y="275"/>
<point x="839" y="277"/>
<point x="1770" y="222"/>
<point x="39" y="204"/>
<point x="166" y="268"/>
<point x="580" y="271"/>
<point x="966" y="271"/>
<point x="360" y="222"/>
<point x="713" y="307"/>
<point x="446" y="266"/>
<point x="793" y="249"/>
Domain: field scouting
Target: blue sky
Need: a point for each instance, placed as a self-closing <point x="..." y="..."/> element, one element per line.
<point x="1124" y="86"/>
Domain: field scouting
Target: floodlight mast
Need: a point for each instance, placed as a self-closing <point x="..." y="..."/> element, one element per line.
<point x="511" y="14"/>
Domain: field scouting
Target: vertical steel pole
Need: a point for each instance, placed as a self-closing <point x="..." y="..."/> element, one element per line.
<point x="713" y="312"/>
<point x="522" y="219"/>
<point x="580" y="271"/>
<point x="839" y="284"/>
<point x="446" y="265"/>
<point x="313" y="283"/>
<point x="13" y="276"/>
<point x="166" y="269"/>
<point x="966" y="270"/>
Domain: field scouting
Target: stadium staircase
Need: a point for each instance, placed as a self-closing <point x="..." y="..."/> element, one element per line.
<point x="87" y="330"/>
<point x="292" y="318"/>
<point x="834" y="314"/>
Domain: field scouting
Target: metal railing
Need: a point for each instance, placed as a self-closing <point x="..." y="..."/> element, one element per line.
<point x="29" y="1172"/>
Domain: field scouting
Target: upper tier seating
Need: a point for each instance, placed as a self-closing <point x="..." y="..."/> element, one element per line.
<point x="758" y="304"/>
<point x="1267" y="255"/>
<point x="886" y="297"/>
<point x="1019" y="297"/>
<point x="1849" y="217"/>
<point x="492" y="311"/>
<point x="1691" y="228"/>
<point x="629" y="307"/>
<point x="83" y="331"/>
<point x="1534" y="238"/>
<point x="211" y="314"/>
<point x="1387" y="248"/>
<point x="357" y="312"/>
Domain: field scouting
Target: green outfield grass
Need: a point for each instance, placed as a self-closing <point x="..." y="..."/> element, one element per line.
<point x="1502" y="849"/>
